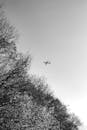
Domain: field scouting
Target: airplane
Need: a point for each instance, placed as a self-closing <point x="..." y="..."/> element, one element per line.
<point x="46" y="62"/>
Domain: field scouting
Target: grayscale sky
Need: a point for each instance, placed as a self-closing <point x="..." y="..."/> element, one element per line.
<point x="55" y="30"/>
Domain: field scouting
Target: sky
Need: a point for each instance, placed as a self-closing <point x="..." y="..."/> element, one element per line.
<point x="55" y="30"/>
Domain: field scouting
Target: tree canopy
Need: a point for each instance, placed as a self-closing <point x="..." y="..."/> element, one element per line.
<point x="25" y="101"/>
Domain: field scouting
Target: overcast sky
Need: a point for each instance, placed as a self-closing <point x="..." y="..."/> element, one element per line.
<point x="55" y="30"/>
